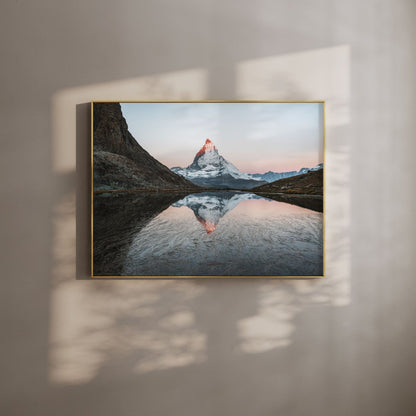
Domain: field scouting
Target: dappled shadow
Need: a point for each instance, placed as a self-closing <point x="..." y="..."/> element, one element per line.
<point x="148" y="326"/>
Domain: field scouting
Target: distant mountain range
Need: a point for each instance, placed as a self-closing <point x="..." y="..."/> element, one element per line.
<point x="274" y="176"/>
<point x="210" y="169"/>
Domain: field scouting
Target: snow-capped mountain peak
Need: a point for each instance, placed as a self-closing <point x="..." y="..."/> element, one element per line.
<point x="208" y="164"/>
<point x="207" y="147"/>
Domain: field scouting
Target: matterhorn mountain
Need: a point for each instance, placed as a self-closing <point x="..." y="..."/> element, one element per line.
<point x="210" y="169"/>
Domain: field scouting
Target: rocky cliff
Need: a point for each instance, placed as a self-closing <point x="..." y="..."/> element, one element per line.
<point x="120" y="163"/>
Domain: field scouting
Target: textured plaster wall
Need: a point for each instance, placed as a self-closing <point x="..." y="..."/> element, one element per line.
<point x="339" y="346"/>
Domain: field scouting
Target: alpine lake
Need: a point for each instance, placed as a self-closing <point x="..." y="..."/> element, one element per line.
<point x="211" y="233"/>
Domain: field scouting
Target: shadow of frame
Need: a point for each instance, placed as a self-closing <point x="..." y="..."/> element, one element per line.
<point x="83" y="191"/>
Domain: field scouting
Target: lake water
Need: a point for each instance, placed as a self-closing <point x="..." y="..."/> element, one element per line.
<point x="228" y="233"/>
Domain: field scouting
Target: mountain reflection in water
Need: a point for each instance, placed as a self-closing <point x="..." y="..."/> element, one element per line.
<point x="253" y="236"/>
<point x="210" y="207"/>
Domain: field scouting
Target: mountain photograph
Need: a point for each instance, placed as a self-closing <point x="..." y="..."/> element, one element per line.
<point x="203" y="189"/>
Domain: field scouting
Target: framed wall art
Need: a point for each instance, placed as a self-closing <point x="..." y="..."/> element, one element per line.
<point x="207" y="189"/>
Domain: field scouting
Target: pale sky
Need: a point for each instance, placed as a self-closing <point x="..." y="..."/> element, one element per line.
<point x="255" y="137"/>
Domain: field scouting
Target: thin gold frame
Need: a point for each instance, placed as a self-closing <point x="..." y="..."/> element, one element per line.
<point x="200" y="277"/>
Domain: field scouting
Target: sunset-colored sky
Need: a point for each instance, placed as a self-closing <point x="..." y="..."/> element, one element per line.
<point x="255" y="137"/>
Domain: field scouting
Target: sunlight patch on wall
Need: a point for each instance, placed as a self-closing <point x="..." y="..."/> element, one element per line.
<point x="185" y="345"/>
<point x="273" y="326"/>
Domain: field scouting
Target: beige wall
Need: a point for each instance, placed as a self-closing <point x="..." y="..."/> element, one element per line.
<point x="339" y="346"/>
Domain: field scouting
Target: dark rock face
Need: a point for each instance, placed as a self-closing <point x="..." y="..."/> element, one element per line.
<point x="310" y="183"/>
<point x="120" y="162"/>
